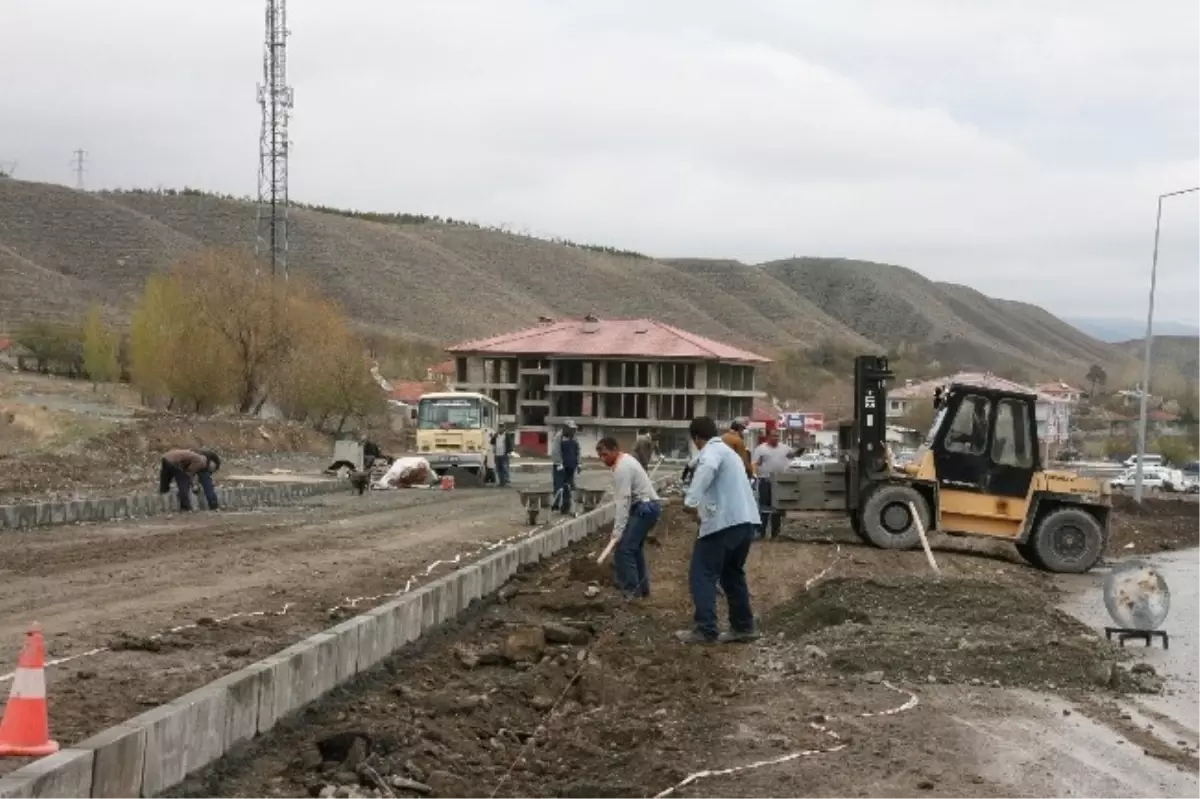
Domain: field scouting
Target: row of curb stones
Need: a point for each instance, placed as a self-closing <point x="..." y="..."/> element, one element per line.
<point x="150" y="753"/>
<point x="46" y="514"/>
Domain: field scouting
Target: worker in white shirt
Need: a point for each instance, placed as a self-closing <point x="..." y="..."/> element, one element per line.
<point x="638" y="510"/>
<point x="769" y="458"/>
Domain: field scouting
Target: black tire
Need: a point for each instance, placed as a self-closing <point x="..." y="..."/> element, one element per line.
<point x="1029" y="553"/>
<point x="1068" y="541"/>
<point x="856" y="526"/>
<point x="887" y="521"/>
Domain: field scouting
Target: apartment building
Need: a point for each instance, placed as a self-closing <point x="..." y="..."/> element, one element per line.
<point x="610" y="376"/>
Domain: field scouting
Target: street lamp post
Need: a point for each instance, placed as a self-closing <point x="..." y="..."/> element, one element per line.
<point x="1145" y="387"/>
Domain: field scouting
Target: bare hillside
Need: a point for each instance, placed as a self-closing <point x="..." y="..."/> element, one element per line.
<point x="61" y="249"/>
<point x="952" y="323"/>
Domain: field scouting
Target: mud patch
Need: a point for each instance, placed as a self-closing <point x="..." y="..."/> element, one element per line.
<point x="951" y="630"/>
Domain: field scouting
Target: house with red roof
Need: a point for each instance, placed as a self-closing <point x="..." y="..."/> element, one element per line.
<point x="1053" y="411"/>
<point x="609" y="376"/>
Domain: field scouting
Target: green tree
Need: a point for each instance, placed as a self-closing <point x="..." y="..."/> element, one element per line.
<point x="1097" y="378"/>
<point x="247" y="309"/>
<point x="53" y="345"/>
<point x="100" y="348"/>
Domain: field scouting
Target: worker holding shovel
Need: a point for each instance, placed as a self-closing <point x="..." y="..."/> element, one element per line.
<point x="638" y="510"/>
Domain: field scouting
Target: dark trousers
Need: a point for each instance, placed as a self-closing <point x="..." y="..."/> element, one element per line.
<point x="502" y="470"/>
<point x="170" y="473"/>
<point x="630" y="572"/>
<point x="564" y="481"/>
<point x="769" y="518"/>
<point x="720" y="558"/>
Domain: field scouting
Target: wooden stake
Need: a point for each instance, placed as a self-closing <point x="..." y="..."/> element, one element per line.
<point x="924" y="541"/>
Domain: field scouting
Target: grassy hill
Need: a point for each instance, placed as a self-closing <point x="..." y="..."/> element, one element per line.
<point x="61" y="249"/>
<point x="1174" y="365"/>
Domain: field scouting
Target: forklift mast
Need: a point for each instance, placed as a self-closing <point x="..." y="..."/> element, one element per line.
<point x="864" y="440"/>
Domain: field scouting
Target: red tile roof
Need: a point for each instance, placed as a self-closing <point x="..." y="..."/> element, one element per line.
<point x="1162" y="417"/>
<point x="637" y="338"/>
<point x="5" y="343"/>
<point x="409" y="391"/>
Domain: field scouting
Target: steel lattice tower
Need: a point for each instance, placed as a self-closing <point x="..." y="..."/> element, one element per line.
<point x="275" y="99"/>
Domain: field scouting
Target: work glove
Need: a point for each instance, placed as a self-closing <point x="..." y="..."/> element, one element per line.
<point x="558" y="467"/>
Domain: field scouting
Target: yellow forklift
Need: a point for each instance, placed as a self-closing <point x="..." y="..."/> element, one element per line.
<point x="979" y="473"/>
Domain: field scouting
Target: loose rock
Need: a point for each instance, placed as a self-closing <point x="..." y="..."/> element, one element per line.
<point x="405" y="784"/>
<point x="527" y="644"/>
<point x="564" y="634"/>
<point x="873" y="677"/>
<point x="443" y="783"/>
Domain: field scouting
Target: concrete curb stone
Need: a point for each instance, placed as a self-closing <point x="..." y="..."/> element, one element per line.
<point x="29" y="515"/>
<point x="158" y="749"/>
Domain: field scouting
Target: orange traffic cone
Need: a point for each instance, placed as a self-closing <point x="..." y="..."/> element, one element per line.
<point x="25" y="728"/>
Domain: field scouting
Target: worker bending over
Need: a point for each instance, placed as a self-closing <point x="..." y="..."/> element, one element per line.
<point x="721" y="496"/>
<point x="180" y="466"/>
<point x="638" y="510"/>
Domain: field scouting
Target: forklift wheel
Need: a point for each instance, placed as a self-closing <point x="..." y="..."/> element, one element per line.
<point x="1029" y="553"/>
<point x="856" y="526"/>
<point x="887" y="521"/>
<point x="1068" y="541"/>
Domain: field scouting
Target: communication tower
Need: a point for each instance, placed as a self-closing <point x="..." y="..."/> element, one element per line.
<point x="275" y="100"/>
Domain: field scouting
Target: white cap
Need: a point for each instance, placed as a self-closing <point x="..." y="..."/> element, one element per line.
<point x="570" y="423"/>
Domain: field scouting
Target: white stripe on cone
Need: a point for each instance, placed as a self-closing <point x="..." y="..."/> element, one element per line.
<point x="29" y="684"/>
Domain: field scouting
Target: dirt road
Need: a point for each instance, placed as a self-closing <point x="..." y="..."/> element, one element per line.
<point x="118" y="585"/>
<point x="872" y="679"/>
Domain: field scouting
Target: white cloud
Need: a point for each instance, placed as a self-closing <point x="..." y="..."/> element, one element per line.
<point x="1016" y="147"/>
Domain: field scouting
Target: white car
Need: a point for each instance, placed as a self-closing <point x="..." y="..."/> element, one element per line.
<point x="1151" y="478"/>
<point x="811" y="460"/>
<point x="1148" y="461"/>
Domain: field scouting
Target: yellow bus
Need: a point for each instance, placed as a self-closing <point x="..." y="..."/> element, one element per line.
<point x="455" y="429"/>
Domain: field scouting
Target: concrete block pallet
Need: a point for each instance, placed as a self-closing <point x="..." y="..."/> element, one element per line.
<point x="149" y="753"/>
<point x="45" y="514"/>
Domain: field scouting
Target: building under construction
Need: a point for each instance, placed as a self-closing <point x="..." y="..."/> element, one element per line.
<point x="611" y="376"/>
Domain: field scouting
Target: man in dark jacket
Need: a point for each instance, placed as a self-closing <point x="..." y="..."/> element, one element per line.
<point x="564" y="453"/>
<point x="180" y="466"/>
<point x="502" y="447"/>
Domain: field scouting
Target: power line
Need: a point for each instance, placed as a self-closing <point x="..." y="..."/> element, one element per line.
<point x="77" y="164"/>
<point x="275" y="100"/>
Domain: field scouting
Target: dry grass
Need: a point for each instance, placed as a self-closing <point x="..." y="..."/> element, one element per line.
<point x="60" y="249"/>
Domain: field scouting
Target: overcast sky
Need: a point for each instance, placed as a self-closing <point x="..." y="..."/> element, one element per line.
<point x="1016" y="147"/>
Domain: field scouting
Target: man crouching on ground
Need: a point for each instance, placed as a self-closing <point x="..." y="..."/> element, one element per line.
<point x="180" y="466"/>
<point x="638" y="510"/>
<point x="722" y="497"/>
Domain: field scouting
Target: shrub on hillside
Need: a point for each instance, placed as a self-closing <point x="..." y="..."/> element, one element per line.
<point x="101" y="347"/>
<point x="217" y="329"/>
<point x="56" y="348"/>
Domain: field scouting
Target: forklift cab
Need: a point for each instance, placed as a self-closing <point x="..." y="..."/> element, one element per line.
<point x="982" y="454"/>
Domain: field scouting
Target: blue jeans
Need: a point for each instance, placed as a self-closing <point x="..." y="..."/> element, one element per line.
<point x="170" y="473"/>
<point x="629" y="560"/>
<point x="210" y="492"/>
<point x="502" y="470"/>
<point x="720" y="557"/>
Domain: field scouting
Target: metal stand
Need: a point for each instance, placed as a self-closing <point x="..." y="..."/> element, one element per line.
<point x="1125" y="633"/>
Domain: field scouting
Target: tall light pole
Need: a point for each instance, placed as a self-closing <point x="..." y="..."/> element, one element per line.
<point x="1145" y="388"/>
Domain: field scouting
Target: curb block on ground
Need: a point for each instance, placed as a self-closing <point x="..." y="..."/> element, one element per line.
<point x="150" y="753"/>
<point x="45" y="514"/>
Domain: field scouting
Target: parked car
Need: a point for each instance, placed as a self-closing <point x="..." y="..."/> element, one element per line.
<point x="811" y="460"/>
<point x="1147" y="461"/>
<point x="1152" y="478"/>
